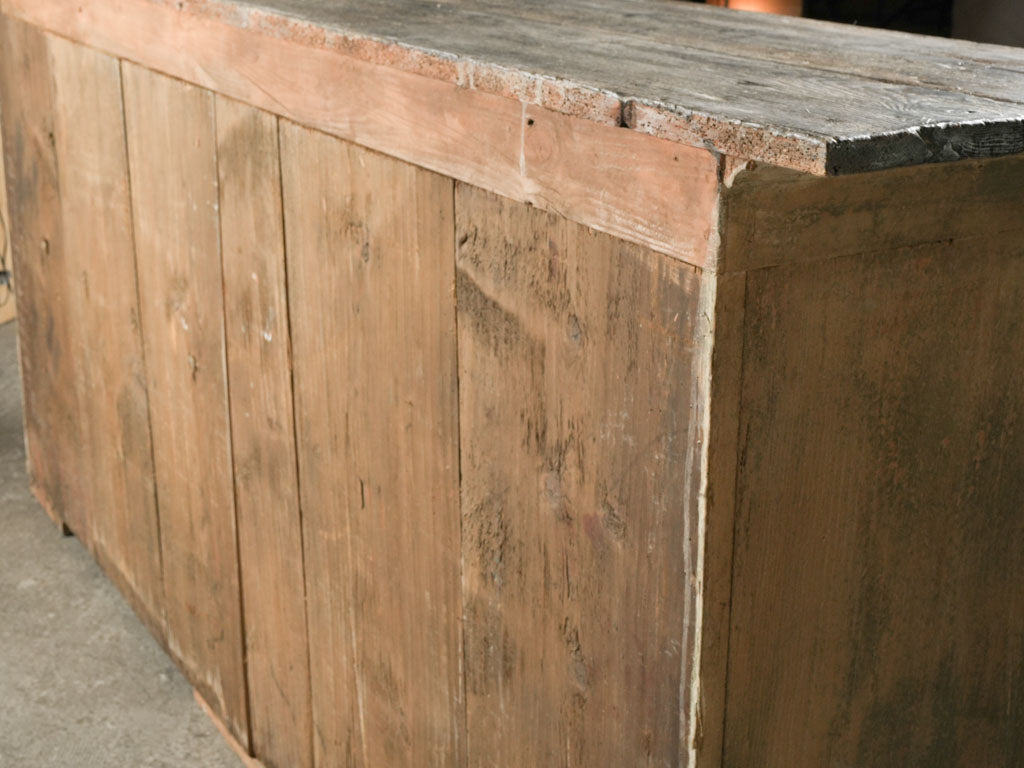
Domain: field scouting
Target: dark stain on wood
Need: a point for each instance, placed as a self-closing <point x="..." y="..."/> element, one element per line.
<point x="46" y="336"/>
<point x="886" y="521"/>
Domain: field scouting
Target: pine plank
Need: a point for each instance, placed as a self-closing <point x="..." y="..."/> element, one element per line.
<point x="646" y="190"/>
<point x="45" y="331"/>
<point x="576" y="355"/>
<point x="173" y="164"/>
<point x="370" y="271"/>
<point x="723" y="399"/>
<point x="118" y="514"/>
<point x="263" y="435"/>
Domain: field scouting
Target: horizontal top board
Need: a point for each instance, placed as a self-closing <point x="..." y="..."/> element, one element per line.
<point x="813" y="96"/>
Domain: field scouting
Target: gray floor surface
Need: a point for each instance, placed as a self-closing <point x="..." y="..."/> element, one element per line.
<point x="82" y="683"/>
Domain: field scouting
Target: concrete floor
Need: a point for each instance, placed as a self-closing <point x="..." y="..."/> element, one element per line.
<point x="82" y="683"/>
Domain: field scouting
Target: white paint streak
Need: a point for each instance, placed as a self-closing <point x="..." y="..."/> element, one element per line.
<point x="699" y="465"/>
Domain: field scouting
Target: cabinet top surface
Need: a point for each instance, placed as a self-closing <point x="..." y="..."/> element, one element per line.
<point x="816" y="96"/>
<point x="813" y="96"/>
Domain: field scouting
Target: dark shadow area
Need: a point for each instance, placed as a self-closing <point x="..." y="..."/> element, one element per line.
<point x="925" y="17"/>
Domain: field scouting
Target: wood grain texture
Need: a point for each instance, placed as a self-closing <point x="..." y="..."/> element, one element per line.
<point x="853" y="51"/>
<point x="723" y="400"/>
<point x="370" y="245"/>
<point x="467" y="134"/>
<point x="8" y="302"/>
<point x="45" y="334"/>
<point x="575" y="361"/>
<point x="222" y="729"/>
<point x="877" y="615"/>
<point x="779" y="217"/>
<point x="263" y="435"/>
<point x="117" y="516"/>
<point x="649" y="191"/>
<point x="790" y="100"/>
<point x="172" y="155"/>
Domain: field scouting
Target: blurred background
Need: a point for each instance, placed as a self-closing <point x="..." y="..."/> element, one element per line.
<point x="985" y="21"/>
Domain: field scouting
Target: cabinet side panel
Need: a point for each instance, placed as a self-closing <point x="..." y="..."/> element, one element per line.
<point x="45" y="331"/>
<point x="172" y="156"/>
<point x="117" y="502"/>
<point x="877" y="617"/>
<point x="576" y="354"/>
<point x="263" y="435"/>
<point x="370" y="244"/>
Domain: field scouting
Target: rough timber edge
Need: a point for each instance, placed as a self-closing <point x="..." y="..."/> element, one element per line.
<point x="814" y="154"/>
<point x="936" y="143"/>
<point x="714" y="453"/>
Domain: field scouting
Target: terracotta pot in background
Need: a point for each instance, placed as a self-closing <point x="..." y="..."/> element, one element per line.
<point x="785" y="7"/>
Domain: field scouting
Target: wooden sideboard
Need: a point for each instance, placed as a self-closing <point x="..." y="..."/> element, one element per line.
<point x="598" y="383"/>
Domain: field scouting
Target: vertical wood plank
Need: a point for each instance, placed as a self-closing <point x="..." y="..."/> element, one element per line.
<point x="172" y="156"/>
<point x="118" y="515"/>
<point x="575" y="362"/>
<point x="370" y="245"/>
<point x="263" y="435"/>
<point x="8" y="308"/>
<point x="723" y="457"/>
<point x="45" y="330"/>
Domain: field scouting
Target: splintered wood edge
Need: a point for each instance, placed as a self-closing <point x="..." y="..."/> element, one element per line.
<point x="939" y="143"/>
<point x="247" y="760"/>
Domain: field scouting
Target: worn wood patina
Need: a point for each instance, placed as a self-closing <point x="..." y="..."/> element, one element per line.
<point x="476" y="384"/>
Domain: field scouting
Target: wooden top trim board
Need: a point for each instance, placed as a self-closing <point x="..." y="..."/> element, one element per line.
<point x="637" y="187"/>
<point x="812" y="96"/>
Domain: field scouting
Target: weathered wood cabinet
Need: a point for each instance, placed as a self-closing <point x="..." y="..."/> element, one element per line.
<point x="605" y="383"/>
